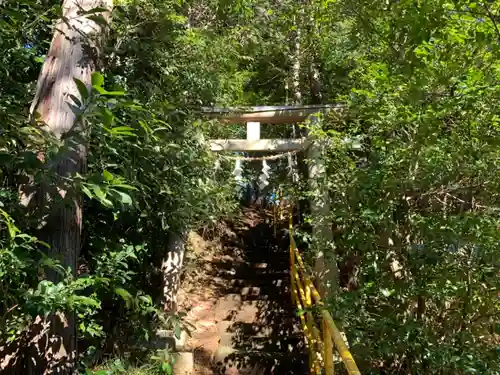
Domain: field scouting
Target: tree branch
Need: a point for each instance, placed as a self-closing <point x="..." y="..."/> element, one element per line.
<point x="492" y="18"/>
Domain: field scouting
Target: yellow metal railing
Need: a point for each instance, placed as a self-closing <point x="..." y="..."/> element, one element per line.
<point x="321" y="339"/>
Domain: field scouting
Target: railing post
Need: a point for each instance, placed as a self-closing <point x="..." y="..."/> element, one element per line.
<point x="335" y="334"/>
<point x="328" y="348"/>
<point x="312" y="350"/>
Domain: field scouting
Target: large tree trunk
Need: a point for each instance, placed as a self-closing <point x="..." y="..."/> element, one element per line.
<point x="73" y="54"/>
<point x="172" y="269"/>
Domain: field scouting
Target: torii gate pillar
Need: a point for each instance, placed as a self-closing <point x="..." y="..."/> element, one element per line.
<point x="325" y="266"/>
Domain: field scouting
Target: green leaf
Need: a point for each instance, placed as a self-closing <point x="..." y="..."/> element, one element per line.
<point x="107" y="116"/>
<point x="127" y="297"/>
<point x="145" y="126"/>
<point x="86" y="301"/>
<point x="125" y="186"/>
<point x="108" y="177"/>
<point x="166" y="368"/>
<point x="387" y="292"/>
<point x="97" y="79"/>
<point x="122" y="130"/>
<point x="99" y="19"/>
<point x="76" y="100"/>
<point x="125" y="198"/>
<point x="13" y="230"/>
<point x="177" y="331"/>
<point x="101" y="195"/>
<point x="93" y="11"/>
<point x="43" y="243"/>
<point x="115" y="93"/>
<point x="98" y="192"/>
<point x="82" y="89"/>
<point x="87" y="192"/>
<point x="146" y="299"/>
<point x="103" y="91"/>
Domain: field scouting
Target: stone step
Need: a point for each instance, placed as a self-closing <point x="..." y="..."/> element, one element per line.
<point x="228" y="361"/>
<point x="255" y="255"/>
<point x="266" y="283"/>
<point x="262" y="293"/>
<point x="238" y="308"/>
<point x="288" y="326"/>
<point x="256" y="264"/>
<point x="278" y="282"/>
<point x="234" y="307"/>
<point x="184" y="363"/>
<point x="253" y="273"/>
<point x="271" y="343"/>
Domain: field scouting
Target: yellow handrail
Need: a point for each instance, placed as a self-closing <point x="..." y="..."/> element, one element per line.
<point x="320" y="343"/>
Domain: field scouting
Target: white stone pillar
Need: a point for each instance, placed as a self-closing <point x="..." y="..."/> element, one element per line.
<point x="253" y="131"/>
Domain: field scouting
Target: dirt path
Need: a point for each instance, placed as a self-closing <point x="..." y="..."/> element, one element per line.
<point x="236" y="292"/>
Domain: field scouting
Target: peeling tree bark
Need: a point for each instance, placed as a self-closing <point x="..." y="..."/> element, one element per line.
<point x="297" y="93"/>
<point x="73" y="54"/>
<point x="172" y="270"/>
<point x="315" y="84"/>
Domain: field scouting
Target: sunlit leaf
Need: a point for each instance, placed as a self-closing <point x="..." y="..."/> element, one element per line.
<point x="97" y="79"/>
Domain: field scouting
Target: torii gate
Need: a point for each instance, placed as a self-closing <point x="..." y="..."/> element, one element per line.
<point x="325" y="268"/>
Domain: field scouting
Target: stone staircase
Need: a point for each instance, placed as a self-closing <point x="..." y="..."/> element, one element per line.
<point x="256" y="321"/>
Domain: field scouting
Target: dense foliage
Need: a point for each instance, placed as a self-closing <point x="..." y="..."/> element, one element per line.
<point x="415" y="211"/>
<point x="148" y="175"/>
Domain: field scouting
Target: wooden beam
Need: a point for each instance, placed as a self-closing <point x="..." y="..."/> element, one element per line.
<point x="268" y="114"/>
<point x="280" y="145"/>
